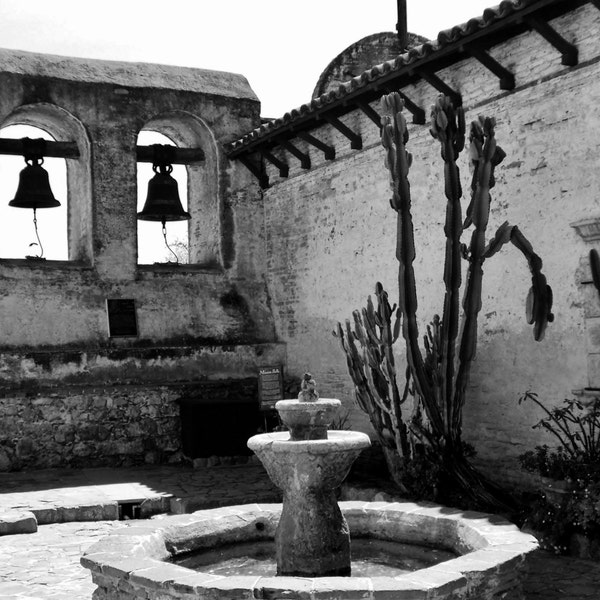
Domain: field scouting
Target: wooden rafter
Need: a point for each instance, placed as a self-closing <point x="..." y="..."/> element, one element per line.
<point x="433" y="80"/>
<point x="328" y="151"/>
<point x="355" y="138"/>
<point x="506" y="77"/>
<point x="569" y="52"/>
<point x="257" y="169"/>
<point x="370" y="112"/>
<point x="284" y="169"/>
<point x="301" y="156"/>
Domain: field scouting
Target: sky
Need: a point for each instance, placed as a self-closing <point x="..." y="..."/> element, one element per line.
<point x="281" y="47"/>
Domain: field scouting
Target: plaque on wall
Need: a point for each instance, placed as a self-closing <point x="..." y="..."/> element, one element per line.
<point x="270" y="387"/>
<point x="122" y="321"/>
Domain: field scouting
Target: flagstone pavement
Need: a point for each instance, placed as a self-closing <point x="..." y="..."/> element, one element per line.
<point x="45" y="565"/>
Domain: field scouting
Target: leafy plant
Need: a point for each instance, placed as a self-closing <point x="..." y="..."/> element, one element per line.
<point x="554" y="464"/>
<point x="575" y="426"/>
<point x="439" y="379"/>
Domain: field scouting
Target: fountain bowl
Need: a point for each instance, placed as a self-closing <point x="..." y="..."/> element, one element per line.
<point x="308" y="420"/>
<point x="133" y="563"/>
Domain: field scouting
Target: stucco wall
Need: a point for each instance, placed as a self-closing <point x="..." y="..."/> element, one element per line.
<point x="53" y="321"/>
<point x="331" y="236"/>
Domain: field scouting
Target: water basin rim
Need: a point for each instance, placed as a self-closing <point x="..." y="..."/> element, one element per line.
<point x="321" y="403"/>
<point x="337" y="441"/>
<point x="496" y="552"/>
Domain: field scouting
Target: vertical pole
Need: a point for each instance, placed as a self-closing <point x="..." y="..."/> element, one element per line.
<point x="401" y="26"/>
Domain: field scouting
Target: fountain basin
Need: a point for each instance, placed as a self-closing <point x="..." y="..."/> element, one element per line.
<point x="308" y="420"/>
<point x="134" y="562"/>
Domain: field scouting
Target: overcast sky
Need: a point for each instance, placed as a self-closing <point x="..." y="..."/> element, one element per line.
<point x="280" y="46"/>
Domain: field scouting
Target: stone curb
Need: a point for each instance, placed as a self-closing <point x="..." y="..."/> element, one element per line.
<point x="14" y="522"/>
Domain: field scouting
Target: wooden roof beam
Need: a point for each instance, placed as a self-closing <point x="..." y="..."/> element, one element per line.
<point x="329" y="151"/>
<point x="69" y="150"/>
<point x="355" y="138"/>
<point x="507" y="79"/>
<point x="569" y="52"/>
<point x="284" y="169"/>
<point x="257" y="169"/>
<point x="370" y="112"/>
<point x="179" y="156"/>
<point x="301" y="156"/>
<point x="433" y="80"/>
<point x="417" y="112"/>
<point x="16" y="147"/>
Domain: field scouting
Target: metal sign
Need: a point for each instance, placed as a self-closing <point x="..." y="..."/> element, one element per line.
<point x="270" y="387"/>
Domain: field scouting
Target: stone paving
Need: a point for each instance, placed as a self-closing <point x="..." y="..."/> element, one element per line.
<point x="45" y="565"/>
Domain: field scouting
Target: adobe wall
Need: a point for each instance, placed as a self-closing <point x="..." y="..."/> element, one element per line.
<point x="331" y="236"/>
<point x="209" y="320"/>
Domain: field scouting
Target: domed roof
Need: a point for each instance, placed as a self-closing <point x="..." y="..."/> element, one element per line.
<point x="361" y="56"/>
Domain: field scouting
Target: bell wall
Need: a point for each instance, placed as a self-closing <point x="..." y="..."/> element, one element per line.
<point x="70" y="393"/>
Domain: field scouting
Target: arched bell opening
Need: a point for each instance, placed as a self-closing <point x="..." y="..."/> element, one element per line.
<point x="156" y="244"/>
<point x="203" y="189"/>
<point x="41" y="233"/>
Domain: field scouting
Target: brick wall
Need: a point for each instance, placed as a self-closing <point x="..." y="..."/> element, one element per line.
<point x="331" y="235"/>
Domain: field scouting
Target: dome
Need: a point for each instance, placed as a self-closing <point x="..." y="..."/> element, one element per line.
<point x="361" y="56"/>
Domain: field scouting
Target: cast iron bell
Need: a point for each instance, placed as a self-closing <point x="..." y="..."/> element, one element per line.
<point x="34" y="187"/>
<point x="163" y="203"/>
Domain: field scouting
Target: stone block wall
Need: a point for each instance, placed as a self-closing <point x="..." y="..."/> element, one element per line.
<point x="331" y="236"/>
<point x="118" y="426"/>
<point x="122" y="408"/>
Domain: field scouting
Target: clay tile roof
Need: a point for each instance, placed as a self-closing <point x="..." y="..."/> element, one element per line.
<point x="490" y="17"/>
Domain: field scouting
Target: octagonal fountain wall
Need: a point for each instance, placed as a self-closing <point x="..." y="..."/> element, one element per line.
<point x="311" y="534"/>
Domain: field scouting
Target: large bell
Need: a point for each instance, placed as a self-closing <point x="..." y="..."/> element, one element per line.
<point x="34" y="188"/>
<point x="162" y="202"/>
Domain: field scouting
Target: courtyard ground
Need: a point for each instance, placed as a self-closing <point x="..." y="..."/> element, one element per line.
<point x="45" y="565"/>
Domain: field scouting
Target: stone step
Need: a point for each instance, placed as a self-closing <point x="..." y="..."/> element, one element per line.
<point x="16" y="521"/>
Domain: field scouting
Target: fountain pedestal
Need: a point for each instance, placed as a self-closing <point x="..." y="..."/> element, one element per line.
<point x="312" y="538"/>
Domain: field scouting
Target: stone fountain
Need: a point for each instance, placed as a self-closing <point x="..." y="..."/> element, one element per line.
<point x="308" y="465"/>
<point x="158" y="559"/>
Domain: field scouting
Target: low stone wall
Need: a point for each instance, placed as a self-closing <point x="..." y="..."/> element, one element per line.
<point x="121" y="425"/>
<point x="131" y="564"/>
<point x="89" y="427"/>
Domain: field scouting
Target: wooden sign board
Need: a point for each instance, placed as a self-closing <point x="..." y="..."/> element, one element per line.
<point x="270" y="387"/>
<point x="122" y="320"/>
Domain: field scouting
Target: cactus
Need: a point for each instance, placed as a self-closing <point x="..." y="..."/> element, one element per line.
<point x="440" y="378"/>
<point x="367" y="343"/>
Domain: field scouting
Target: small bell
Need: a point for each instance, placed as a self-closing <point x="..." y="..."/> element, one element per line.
<point x="34" y="187"/>
<point x="163" y="202"/>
